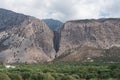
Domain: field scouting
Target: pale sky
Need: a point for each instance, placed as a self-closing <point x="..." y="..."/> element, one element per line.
<point x="65" y="9"/>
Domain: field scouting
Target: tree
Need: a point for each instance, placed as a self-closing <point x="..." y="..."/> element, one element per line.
<point x="103" y="74"/>
<point x="15" y="76"/>
<point x="68" y="77"/>
<point x="4" y="76"/>
<point x="26" y="75"/>
<point x="42" y="76"/>
<point x="48" y="76"/>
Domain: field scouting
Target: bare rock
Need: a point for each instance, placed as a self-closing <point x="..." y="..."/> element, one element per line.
<point x="24" y="39"/>
<point x="100" y="34"/>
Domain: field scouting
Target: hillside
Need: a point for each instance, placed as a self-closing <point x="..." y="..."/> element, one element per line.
<point x="24" y="39"/>
<point x="88" y="38"/>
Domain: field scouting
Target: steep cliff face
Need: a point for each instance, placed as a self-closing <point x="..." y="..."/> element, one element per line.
<point x="98" y="34"/>
<point x="24" y="39"/>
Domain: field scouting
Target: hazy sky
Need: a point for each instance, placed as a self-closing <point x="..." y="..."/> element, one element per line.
<point x="65" y="9"/>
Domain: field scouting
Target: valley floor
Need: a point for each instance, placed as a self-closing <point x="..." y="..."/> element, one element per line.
<point x="61" y="71"/>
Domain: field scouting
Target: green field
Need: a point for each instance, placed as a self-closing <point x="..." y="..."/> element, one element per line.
<point x="61" y="71"/>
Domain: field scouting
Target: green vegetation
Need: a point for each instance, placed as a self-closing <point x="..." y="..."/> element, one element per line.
<point x="62" y="71"/>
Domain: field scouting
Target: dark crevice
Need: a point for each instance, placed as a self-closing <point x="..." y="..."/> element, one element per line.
<point x="56" y="40"/>
<point x="2" y="46"/>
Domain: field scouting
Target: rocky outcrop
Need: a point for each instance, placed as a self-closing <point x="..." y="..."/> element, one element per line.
<point x="98" y="34"/>
<point x="24" y="39"/>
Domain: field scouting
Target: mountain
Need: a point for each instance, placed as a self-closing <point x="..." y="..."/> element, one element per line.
<point x="82" y="39"/>
<point x="53" y="24"/>
<point x="24" y="39"/>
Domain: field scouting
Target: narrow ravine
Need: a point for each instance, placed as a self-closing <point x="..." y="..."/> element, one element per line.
<point x="56" y="40"/>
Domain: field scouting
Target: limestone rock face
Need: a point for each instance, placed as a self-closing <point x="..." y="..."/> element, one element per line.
<point x="24" y="39"/>
<point x="101" y="33"/>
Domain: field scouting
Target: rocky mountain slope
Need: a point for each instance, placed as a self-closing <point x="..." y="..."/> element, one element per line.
<point x="24" y="39"/>
<point x="53" y="24"/>
<point x="87" y="38"/>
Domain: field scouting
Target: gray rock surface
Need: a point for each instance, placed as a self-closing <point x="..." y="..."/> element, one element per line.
<point x="101" y="33"/>
<point x="24" y="39"/>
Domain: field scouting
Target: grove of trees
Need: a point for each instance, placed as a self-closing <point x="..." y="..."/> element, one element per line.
<point x="62" y="71"/>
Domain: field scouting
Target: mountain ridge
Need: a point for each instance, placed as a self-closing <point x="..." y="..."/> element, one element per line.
<point x="99" y="34"/>
<point x="26" y="39"/>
